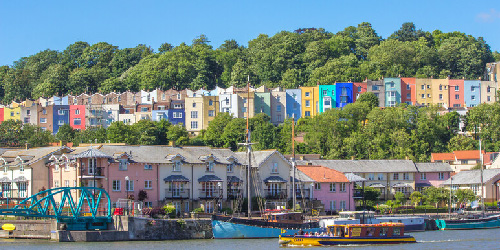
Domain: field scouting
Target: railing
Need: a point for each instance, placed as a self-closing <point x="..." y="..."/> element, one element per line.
<point x="276" y="193"/>
<point x="233" y="194"/>
<point x="210" y="193"/>
<point x="301" y="193"/>
<point x="98" y="171"/>
<point x="176" y="193"/>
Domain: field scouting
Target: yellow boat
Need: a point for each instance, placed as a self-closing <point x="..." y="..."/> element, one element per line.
<point x="353" y="234"/>
<point x="8" y="227"/>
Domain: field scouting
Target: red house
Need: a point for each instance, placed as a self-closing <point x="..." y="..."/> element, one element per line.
<point x="77" y="116"/>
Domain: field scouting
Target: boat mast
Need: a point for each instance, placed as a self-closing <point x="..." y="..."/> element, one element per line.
<point x="482" y="181"/>
<point x="294" y="198"/>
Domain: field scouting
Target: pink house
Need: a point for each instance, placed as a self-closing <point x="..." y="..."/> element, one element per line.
<point x="77" y="116"/>
<point x="358" y="89"/>
<point x="431" y="174"/>
<point x="456" y="94"/>
<point x="331" y="187"/>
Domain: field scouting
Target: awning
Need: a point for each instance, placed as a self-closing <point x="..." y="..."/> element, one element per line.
<point x="233" y="179"/>
<point x="354" y="178"/>
<point x="179" y="178"/>
<point x="4" y="179"/>
<point x="422" y="185"/>
<point x="92" y="153"/>
<point x="20" y="179"/>
<point x="377" y="185"/>
<point x="274" y="179"/>
<point x="400" y="185"/>
<point x="209" y="178"/>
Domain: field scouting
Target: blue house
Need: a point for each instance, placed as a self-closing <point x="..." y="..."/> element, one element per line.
<point x="472" y="93"/>
<point x="158" y="115"/>
<point x="293" y="102"/>
<point x="392" y="91"/>
<point x="60" y="116"/>
<point x="176" y="113"/>
<point x="343" y="93"/>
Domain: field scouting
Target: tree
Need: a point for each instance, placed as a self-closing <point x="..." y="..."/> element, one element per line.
<point x="178" y="134"/>
<point x="234" y="133"/>
<point x="371" y="196"/>
<point x="65" y="133"/>
<point x="461" y="142"/>
<point x="118" y="132"/>
<point x="436" y="195"/>
<point x="213" y="135"/>
<point x="465" y="195"/>
<point x="407" y="32"/>
<point x="34" y="136"/>
<point x="370" y="98"/>
<point x="399" y="198"/>
<point x="416" y="197"/>
<point x="10" y="132"/>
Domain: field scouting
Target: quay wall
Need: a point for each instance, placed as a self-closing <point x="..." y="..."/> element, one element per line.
<point x="29" y="229"/>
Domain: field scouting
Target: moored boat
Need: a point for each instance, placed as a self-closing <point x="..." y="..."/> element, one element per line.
<point x="465" y="224"/>
<point x="383" y="233"/>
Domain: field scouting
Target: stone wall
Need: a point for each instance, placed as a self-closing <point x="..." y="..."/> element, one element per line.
<point x="149" y="229"/>
<point x="29" y="229"/>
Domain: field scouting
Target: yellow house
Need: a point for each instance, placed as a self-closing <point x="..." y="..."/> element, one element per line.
<point x="246" y="105"/>
<point x="210" y="109"/>
<point x="440" y="92"/>
<point x="12" y="113"/>
<point x="423" y="89"/>
<point x="310" y="101"/>
<point x="194" y="114"/>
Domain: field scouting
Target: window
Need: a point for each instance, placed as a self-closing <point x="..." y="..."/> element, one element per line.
<point x="371" y="177"/>
<point x="440" y="96"/>
<point x="327" y="102"/>
<point x="60" y="122"/>
<point x="148" y="167"/>
<point x="428" y="86"/>
<point x="194" y="114"/>
<point x="308" y="103"/>
<point x="375" y="88"/>
<point x="429" y="95"/>
<point x="44" y="111"/>
<point x="123" y="165"/>
<point x="194" y="105"/>
<point x="488" y="98"/>
<point x="177" y="106"/>
<point x="60" y="112"/>
<point x="274" y="168"/>
<point x="161" y="107"/>
<point x="333" y="206"/>
<point x="406" y="176"/>
<point x="393" y="94"/>
<point x="440" y="87"/>
<point x="148" y="184"/>
<point x="66" y="166"/>
<point x="56" y="184"/>
<point x="391" y="84"/>
<point x="380" y="177"/>
<point x="395" y="176"/>
<point x="66" y="183"/>
<point x="473" y="97"/>
<point x="376" y="94"/>
<point x="230" y="168"/>
<point x="77" y="121"/>
<point x="22" y="189"/>
<point x="163" y="96"/>
<point x="177" y="115"/>
<point x="194" y="125"/>
<point x="332" y="187"/>
<point x="211" y="113"/>
<point x="129" y="185"/>
<point x="244" y="110"/>
<point x="144" y="109"/>
<point x="43" y="120"/>
<point x="210" y="167"/>
<point x="423" y="176"/>
<point x="308" y="94"/>
<point x="359" y="88"/>
<point x="227" y="101"/>
<point x="456" y="88"/>
<point x="342" y="187"/>
<point x="178" y="96"/>
<point x="457" y="97"/>
<point x="342" y="205"/>
<point x="488" y="89"/>
<point x="441" y="176"/>
<point x="408" y="87"/>
<point x="210" y="102"/>
<point x="317" y="186"/>
<point x="423" y="96"/>
<point x="307" y="113"/>
<point x="77" y="111"/>
<point x="325" y="92"/>
<point x="472" y="88"/>
<point x="408" y="96"/>
<point x="21" y="168"/>
<point x="177" y="166"/>
<point x="278" y="108"/>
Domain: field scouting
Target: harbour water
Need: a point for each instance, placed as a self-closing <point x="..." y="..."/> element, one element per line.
<point x="471" y="239"/>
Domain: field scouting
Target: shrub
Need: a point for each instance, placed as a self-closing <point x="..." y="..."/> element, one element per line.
<point x="153" y="212"/>
<point x="198" y="210"/>
<point x="227" y="210"/>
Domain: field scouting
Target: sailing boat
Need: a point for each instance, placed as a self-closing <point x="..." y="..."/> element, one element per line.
<point x="271" y="225"/>
<point x="463" y="224"/>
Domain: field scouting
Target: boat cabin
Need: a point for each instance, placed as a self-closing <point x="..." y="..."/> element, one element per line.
<point x="367" y="230"/>
<point x="284" y="217"/>
<point x="365" y="217"/>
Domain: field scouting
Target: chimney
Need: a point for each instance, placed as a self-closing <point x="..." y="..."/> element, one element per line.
<point x="309" y="164"/>
<point x="62" y="143"/>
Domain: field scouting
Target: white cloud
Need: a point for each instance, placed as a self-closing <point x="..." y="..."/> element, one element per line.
<point x="488" y="17"/>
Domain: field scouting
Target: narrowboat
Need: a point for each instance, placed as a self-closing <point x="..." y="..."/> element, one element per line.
<point x="412" y="223"/>
<point x="270" y="226"/>
<point x="465" y="224"/>
<point x="354" y="234"/>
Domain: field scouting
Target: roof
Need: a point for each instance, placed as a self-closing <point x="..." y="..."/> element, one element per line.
<point x="467" y="154"/>
<point x="323" y="174"/>
<point x="354" y="178"/>
<point x="472" y="177"/>
<point x="377" y="185"/>
<point x="172" y="178"/>
<point x="433" y="167"/>
<point x="92" y="153"/>
<point x="233" y="179"/>
<point x="365" y="166"/>
<point x="258" y="157"/>
<point x="300" y="176"/>
<point x="274" y="178"/>
<point x="33" y="155"/>
<point x="209" y="178"/>
<point x="442" y="156"/>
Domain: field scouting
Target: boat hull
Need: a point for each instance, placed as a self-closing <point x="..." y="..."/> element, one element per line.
<point x="492" y="222"/>
<point x="230" y="230"/>
<point x="300" y="240"/>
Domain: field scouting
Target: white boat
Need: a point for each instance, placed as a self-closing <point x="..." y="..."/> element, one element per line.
<point x="412" y="223"/>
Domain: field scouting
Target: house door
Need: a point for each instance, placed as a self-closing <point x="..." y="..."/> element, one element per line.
<point x="176" y="189"/>
<point x="177" y="205"/>
<point x="209" y="189"/>
<point x="209" y="208"/>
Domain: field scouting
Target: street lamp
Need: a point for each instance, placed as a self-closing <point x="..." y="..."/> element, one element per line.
<point x="126" y="189"/>
<point x="219" y="205"/>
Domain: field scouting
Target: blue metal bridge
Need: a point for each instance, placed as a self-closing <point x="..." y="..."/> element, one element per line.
<point x="91" y="210"/>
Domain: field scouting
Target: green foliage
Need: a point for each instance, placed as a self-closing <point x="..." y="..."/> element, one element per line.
<point x="369" y="98"/>
<point x="416" y="197"/>
<point x="198" y="210"/>
<point x="465" y="195"/>
<point x="399" y="198"/>
<point x="436" y="195"/>
<point x="65" y="133"/>
<point x="169" y="209"/>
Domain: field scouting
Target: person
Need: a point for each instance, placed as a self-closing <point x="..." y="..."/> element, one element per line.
<point x="301" y="232"/>
<point x="342" y="234"/>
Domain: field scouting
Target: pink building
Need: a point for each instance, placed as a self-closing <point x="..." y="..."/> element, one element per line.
<point x="331" y="187"/>
<point x="431" y="174"/>
<point x="77" y="116"/>
<point x="358" y="89"/>
<point x="456" y="94"/>
<point x="408" y="93"/>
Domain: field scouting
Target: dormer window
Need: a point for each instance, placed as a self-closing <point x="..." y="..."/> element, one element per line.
<point x="274" y="168"/>
<point x="123" y="164"/>
<point x="21" y="168"/>
<point x="230" y="168"/>
<point x="210" y="166"/>
<point x="56" y="167"/>
<point x="177" y="166"/>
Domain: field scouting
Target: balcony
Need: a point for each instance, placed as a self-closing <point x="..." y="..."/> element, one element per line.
<point x="210" y="193"/>
<point x="275" y="194"/>
<point x="302" y="193"/>
<point x="233" y="194"/>
<point x="176" y="193"/>
<point x="89" y="172"/>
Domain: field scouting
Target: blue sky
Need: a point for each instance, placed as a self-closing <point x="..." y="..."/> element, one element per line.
<point x="27" y="27"/>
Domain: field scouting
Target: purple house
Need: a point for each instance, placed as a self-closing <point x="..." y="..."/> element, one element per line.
<point x="431" y="174"/>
